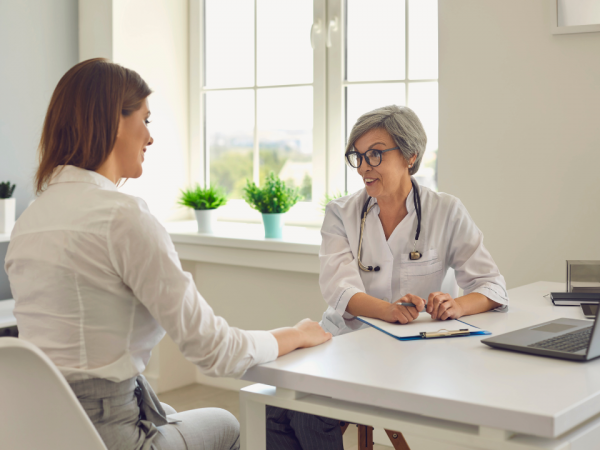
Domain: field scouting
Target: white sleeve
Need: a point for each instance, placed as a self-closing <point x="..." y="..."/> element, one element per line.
<point x="475" y="268"/>
<point x="339" y="278"/>
<point x="143" y="255"/>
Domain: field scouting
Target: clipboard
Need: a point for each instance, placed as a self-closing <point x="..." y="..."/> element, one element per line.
<point x="424" y="327"/>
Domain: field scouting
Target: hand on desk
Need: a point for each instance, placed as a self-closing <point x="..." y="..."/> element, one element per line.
<point x="396" y="312"/>
<point x="305" y="333"/>
<point x="442" y="306"/>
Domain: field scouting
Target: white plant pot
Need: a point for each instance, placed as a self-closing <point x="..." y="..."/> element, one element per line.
<point x="207" y="220"/>
<point x="7" y="214"/>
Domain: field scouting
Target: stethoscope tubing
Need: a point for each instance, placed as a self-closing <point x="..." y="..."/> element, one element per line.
<point x="365" y="211"/>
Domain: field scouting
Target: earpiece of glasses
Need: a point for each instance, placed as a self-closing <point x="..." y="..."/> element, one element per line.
<point x="372" y="156"/>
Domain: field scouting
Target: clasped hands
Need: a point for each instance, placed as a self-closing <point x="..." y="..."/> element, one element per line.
<point x="439" y="305"/>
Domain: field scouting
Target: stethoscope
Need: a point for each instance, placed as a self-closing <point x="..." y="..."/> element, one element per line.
<point x="414" y="255"/>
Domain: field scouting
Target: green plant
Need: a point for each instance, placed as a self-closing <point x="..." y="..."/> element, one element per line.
<point x="6" y="191"/>
<point x="331" y="197"/>
<point x="273" y="197"/>
<point x="203" y="198"/>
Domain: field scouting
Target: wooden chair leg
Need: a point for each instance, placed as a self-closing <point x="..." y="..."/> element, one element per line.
<point x="397" y="440"/>
<point x="365" y="437"/>
<point x="344" y="426"/>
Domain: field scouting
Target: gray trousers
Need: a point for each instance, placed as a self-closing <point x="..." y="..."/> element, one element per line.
<point x="128" y="416"/>
<point x="293" y="430"/>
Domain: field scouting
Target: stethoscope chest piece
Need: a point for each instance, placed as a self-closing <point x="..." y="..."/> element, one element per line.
<point x="415" y="255"/>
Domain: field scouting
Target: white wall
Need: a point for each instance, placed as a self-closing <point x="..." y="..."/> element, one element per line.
<point x="520" y="133"/>
<point x="38" y="44"/>
<point x="150" y="37"/>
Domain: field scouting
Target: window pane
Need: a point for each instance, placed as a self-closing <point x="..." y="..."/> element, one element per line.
<point x="422" y="39"/>
<point x="285" y="122"/>
<point x="230" y="138"/>
<point x="229" y="43"/>
<point x="360" y="99"/>
<point x="423" y="100"/>
<point x="285" y="55"/>
<point x="375" y="40"/>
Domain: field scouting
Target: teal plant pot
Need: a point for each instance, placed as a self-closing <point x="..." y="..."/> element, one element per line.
<point x="273" y="225"/>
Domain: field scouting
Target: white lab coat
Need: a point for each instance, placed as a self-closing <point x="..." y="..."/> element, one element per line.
<point x="449" y="239"/>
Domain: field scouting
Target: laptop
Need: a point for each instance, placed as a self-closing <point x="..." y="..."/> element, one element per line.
<point x="574" y="339"/>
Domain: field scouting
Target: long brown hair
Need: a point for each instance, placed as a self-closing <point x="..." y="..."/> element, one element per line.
<point x="82" y="121"/>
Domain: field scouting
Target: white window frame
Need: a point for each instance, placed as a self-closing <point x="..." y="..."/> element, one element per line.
<point x="329" y="127"/>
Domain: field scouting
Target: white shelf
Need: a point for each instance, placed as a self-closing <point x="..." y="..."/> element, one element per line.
<point x="247" y="236"/>
<point x="7" y="319"/>
<point x="244" y="244"/>
<point x="4" y="237"/>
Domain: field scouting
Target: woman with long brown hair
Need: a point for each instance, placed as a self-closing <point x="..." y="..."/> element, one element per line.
<point x="97" y="281"/>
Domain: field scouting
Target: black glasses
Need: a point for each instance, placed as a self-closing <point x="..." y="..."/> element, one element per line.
<point x="373" y="157"/>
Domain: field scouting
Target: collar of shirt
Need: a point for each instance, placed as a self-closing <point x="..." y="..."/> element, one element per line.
<point x="72" y="174"/>
<point x="410" y="204"/>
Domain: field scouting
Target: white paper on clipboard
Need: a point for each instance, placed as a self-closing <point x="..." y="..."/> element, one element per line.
<point x="423" y="323"/>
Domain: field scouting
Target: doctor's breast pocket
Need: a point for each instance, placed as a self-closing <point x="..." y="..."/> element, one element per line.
<point x="422" y="276"/>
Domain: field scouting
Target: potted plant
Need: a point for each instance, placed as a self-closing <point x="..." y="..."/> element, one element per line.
<point x="205" y="202"/>
<point x="272" y="200"/>
<point x="7" y="207"/>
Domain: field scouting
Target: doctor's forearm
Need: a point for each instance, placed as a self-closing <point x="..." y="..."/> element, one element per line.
<point x="475" y="303"/>
<point x="362" y="304"/>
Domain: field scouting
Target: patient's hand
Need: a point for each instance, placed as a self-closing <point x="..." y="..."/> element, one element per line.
<point x="395" y="312"/>
<point x="442" y="306"/>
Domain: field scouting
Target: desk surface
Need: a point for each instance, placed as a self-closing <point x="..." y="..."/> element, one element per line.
<point x="456" y="379"/>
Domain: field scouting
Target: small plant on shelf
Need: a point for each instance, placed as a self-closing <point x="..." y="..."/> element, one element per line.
<point x="6" y="190"/>
<point x="203" y="198"/>
<point x="204" y="202"/>
<point x="272" y="200"/>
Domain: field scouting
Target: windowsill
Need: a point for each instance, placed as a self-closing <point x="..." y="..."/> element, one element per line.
<point x="244" y="244"/>
<point x="248" y="236"/>
<point x="4" y="237"/>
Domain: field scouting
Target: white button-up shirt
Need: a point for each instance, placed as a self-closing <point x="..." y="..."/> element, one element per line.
<point x="449" y="239"/>
<point x="97" y="282"/>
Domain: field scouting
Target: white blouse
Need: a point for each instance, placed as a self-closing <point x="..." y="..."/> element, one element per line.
<point x="97" y="281"/>
<point x="449" y="238"/>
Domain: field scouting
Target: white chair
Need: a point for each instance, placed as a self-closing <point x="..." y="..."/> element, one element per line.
<point x="38" y="409"/>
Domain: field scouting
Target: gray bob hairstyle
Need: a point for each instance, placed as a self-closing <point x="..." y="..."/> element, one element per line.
<point x="403" y="126"/>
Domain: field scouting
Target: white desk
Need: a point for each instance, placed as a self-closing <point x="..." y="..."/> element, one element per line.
<point x="443" y="394"/>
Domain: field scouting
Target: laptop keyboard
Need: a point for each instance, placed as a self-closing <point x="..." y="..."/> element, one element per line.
<point x="570" y="342"/>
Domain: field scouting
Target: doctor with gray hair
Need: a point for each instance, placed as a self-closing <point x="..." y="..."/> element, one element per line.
<point x="386" y="250"/>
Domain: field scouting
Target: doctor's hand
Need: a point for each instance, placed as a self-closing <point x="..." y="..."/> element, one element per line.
<point x="395" y="312"/>
<point x="442" y="306"/>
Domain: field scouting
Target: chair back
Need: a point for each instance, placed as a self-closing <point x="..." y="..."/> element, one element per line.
<point x="38" y="408"/>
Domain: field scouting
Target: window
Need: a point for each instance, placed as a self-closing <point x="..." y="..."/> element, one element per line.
<point x="281" y="82"/>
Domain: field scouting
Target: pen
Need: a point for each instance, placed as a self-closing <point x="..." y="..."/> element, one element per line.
<point x="409" y="304"/>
